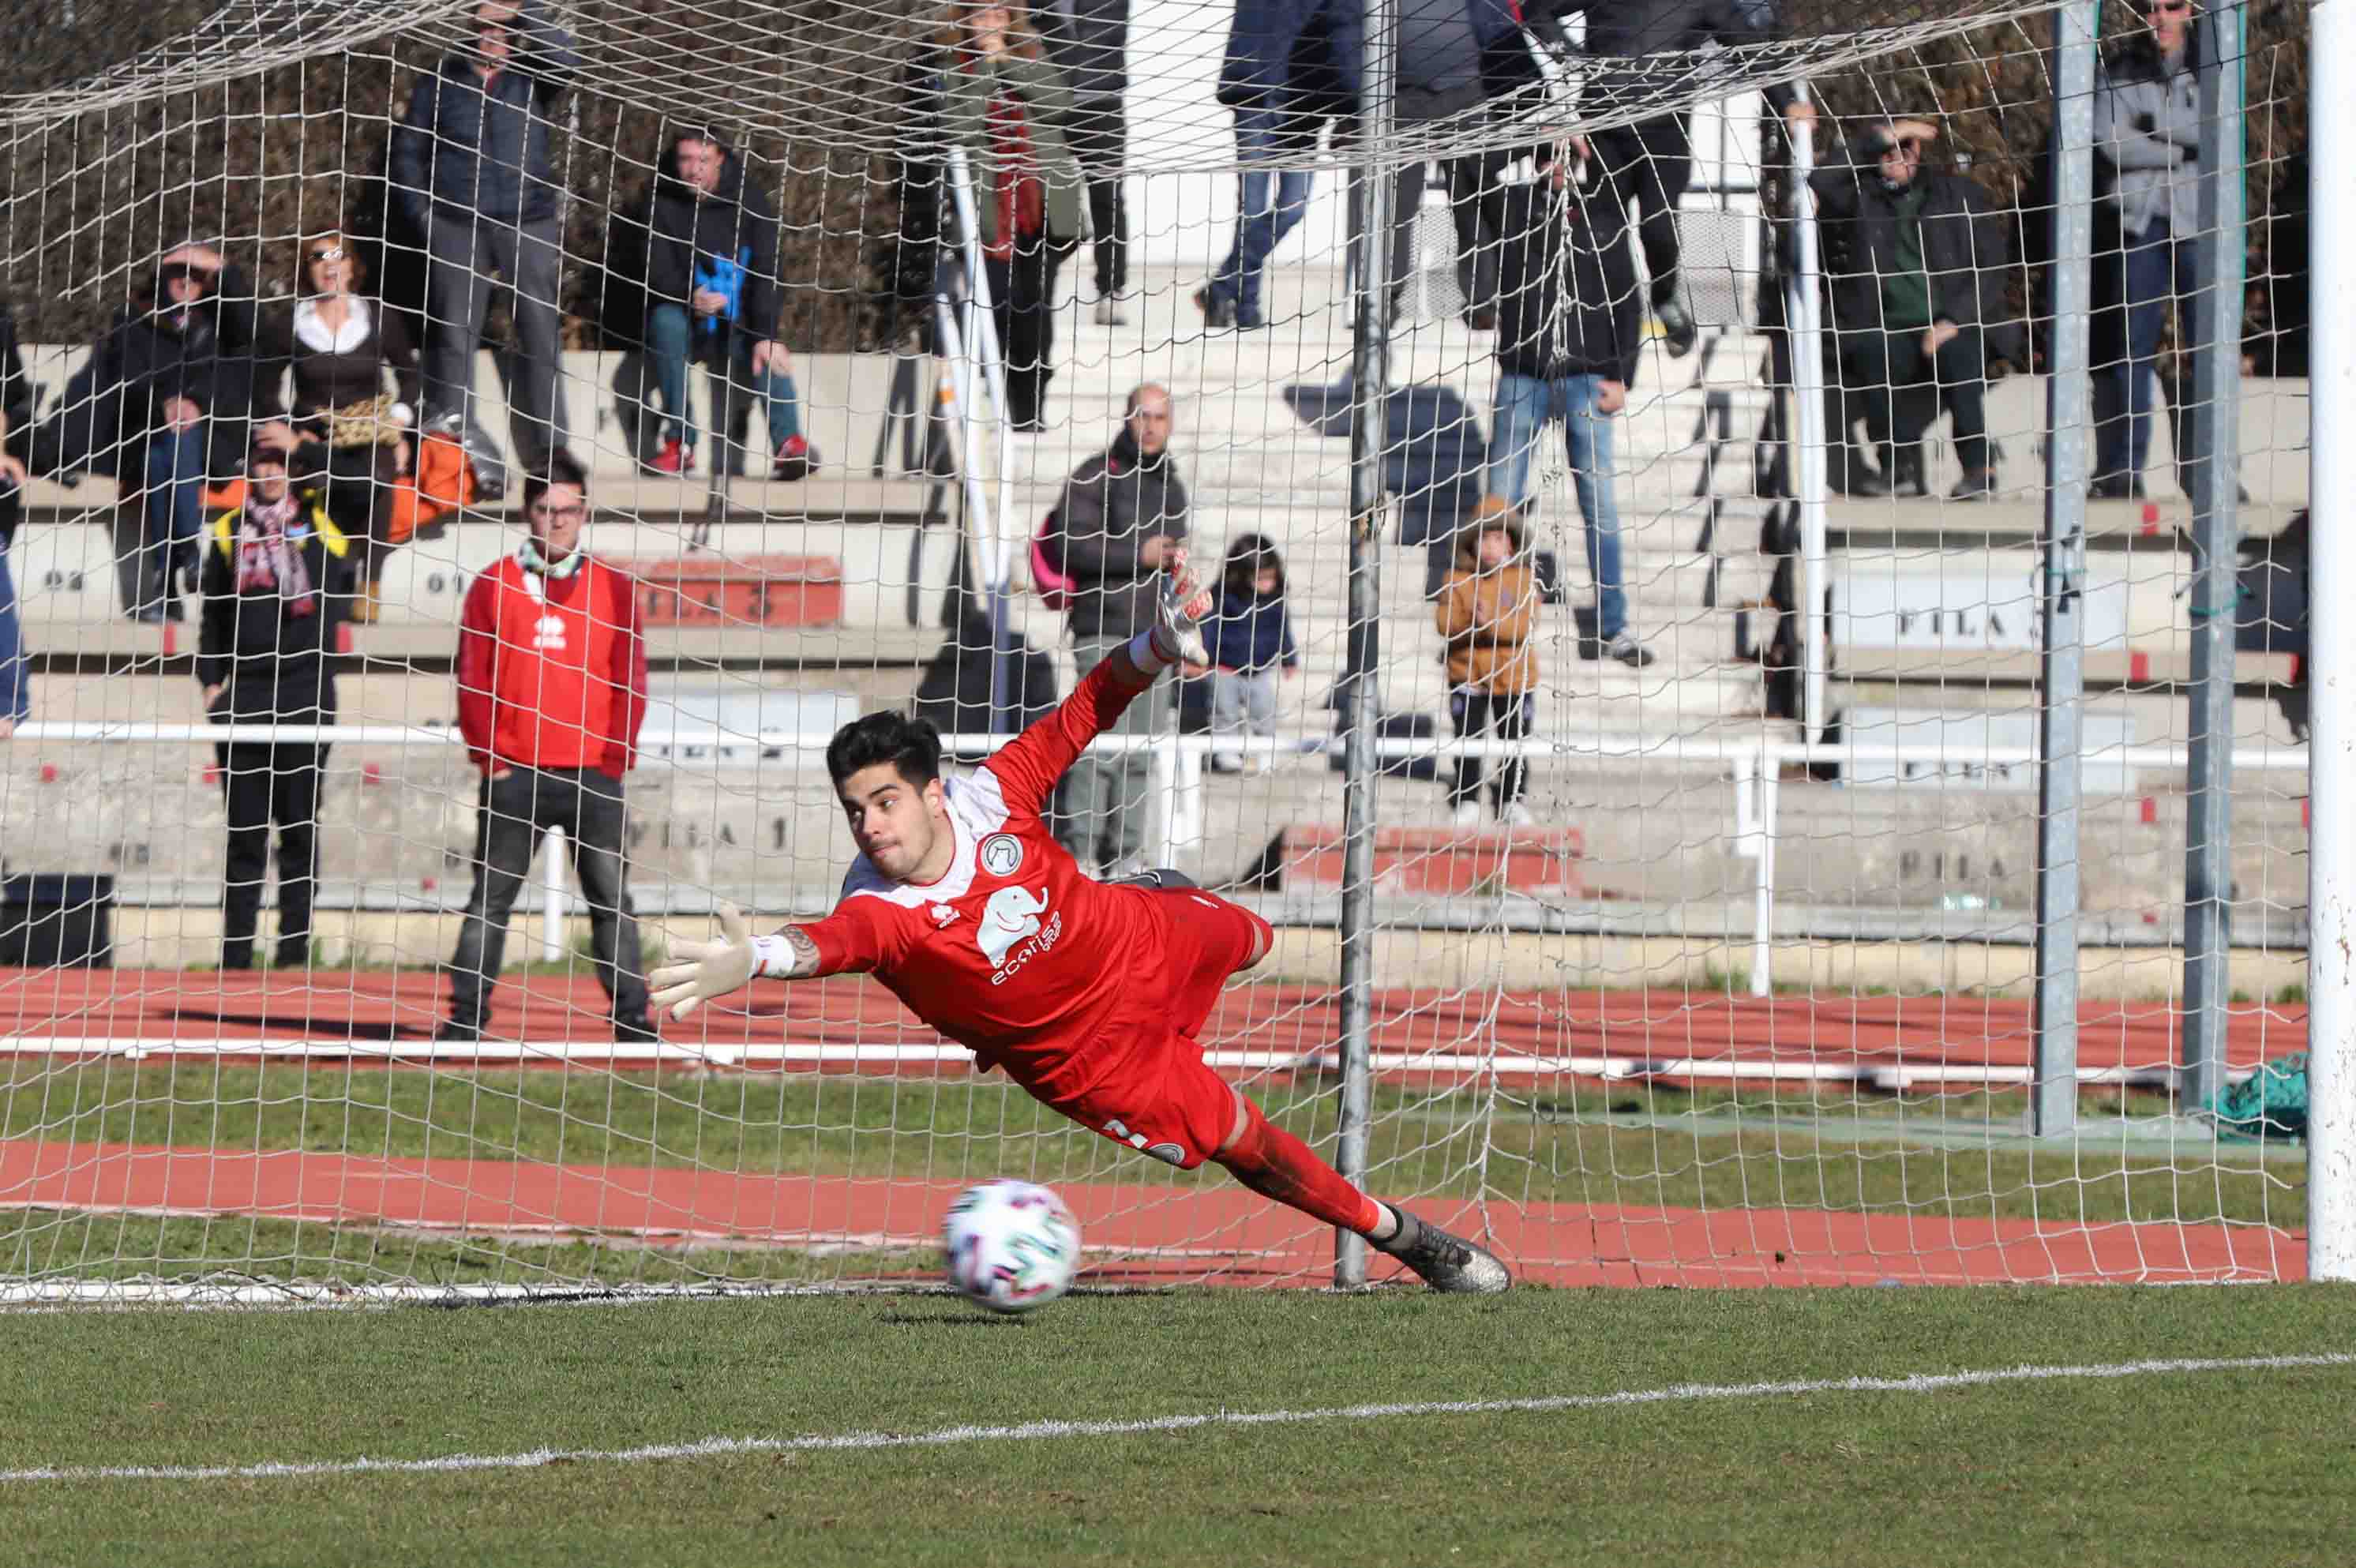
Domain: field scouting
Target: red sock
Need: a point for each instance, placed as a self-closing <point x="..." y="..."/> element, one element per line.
<point x="1274" y="1164"/>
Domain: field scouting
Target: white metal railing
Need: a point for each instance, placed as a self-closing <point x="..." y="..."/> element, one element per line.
<point x="1176" y="815"/>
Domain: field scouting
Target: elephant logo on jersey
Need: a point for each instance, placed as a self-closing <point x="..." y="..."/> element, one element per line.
<point x="1011" y="914"/>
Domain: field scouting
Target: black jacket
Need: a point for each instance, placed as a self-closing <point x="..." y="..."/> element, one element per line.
<point x="272" y="663"/>
<point x="1551" y="322"/>
<point x="472" y="147"/>
<point x="1088" y="42"/>
<point x="153" y="354"/>
<point x="1303" y="56"/>
<point x="326" y="379"/>
<point x="660" y="247"/>
<point x="1111" y="505"/>
<point x="1966" y="250"/>
<point x="16" y="404"/>
<point x="1625" y="30"/>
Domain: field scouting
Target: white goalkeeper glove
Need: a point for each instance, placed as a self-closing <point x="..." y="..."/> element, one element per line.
<point x="701" y="971"/>
<point x="1182" y="605"/>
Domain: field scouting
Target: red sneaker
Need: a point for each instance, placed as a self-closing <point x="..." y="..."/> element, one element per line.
<point x="796" y="459"/>
<point x="674" y="458"/>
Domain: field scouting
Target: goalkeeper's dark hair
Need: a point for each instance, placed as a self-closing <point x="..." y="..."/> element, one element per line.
<point x="912" y="747"/>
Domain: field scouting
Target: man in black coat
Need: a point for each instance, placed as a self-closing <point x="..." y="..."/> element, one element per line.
<point x="1647" y="164"/>
<point x="1122" y="516"/>
<point x="1917" y="262"/>
<point x="278" y="580"/>
<point x="1088" y="42"/>
<point x="165" y="401"/>
<point x="472" y="173"/>
<point x="702" y="251"/>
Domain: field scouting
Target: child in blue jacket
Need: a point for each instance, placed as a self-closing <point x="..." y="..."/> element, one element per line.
<point x="1250" y="641"/>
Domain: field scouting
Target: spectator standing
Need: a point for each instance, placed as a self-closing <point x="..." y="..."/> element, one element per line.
<point x="552" y="690"/>
<point x="1121" y="520"/>
<point x="356" y="389"/>
<point x="1250" y="641"/>
<point x="1488" y="612"/>
<point x="703" y="248"/>
<point x="1917" y="262"/>
<point x="1292" y="68"/>
<point x="471" y="171"/>
<point x="1007" y="107"/>
<point x="164" y="401"/>
<point x="1648" y="163"/>
<point x="1089" y="41"/>
<point x="15" y="669"/>
<point x="1568" y="329"/>
<point x="2148" y="137"/>
<point x="277" y="578"/>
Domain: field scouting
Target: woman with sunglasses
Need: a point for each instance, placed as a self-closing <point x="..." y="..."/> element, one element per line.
<point x="356" y="384"/>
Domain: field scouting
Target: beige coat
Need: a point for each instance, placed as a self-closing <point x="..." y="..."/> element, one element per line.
<point x="1489" y="619"/>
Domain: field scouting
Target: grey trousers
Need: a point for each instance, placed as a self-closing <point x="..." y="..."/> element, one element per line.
<point x="465" y="260"/>
<point x="1106" y="796"/>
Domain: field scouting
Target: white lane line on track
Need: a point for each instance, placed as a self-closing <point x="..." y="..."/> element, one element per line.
<point x="722" y="1447"/>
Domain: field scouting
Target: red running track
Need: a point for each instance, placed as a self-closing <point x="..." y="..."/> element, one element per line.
<point x="1140" y="1231"/>
<point x="1143" y="1229"/>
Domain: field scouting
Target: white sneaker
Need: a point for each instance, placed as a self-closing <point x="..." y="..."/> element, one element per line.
<point x="1518" y="815"/>
<point x="1467" y="815"/>
<point x="1629" y="651"/>
<point x="1108" y="312"/>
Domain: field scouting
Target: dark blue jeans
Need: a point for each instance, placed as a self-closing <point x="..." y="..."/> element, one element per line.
<point x="176" y="484"/>
<point x="2150" y="270"/>
<point x="15" y="671"/>
<point x="1270" y="201"/>
<point x="671" y="335"/>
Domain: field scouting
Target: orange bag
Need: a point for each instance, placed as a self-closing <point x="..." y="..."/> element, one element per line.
<point x="442" y="482"/>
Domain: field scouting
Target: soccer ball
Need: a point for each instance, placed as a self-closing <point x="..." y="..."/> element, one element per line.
<point x="1012" y="1246"/>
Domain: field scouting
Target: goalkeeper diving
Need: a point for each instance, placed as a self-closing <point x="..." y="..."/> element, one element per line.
<point x="1089" y="995"/>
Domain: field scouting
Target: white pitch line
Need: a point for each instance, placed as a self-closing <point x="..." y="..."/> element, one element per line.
<point x="722" y="1447"/>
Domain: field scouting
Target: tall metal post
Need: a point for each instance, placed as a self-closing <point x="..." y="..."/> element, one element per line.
<point x="2212" y="424"/>
<point x="2053" y="1102"/>
<point x="1806" y="324"/>
<point x="1369" y="373"/>
<point x="2331" y="659"/>
<point x="995" y="524"/>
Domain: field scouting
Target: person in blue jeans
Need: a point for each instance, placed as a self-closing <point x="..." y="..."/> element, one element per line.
<point x="2147" y="133"/>
<point x="15" y="670"/>
<point x="1271" y="198"/>
<point x="1290" y="66"/>
<point x="164" y="402"/>
<point x="1569" y="321"/>
<point x="704" y="248"/>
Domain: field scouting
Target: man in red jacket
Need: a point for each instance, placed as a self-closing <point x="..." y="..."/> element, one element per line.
<point x="551" y="689"/>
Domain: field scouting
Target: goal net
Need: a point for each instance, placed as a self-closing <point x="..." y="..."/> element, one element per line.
<point x="1654" y="595"/>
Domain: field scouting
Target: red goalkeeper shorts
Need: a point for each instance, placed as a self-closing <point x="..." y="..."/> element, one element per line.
<point x="1158" y="1096"/>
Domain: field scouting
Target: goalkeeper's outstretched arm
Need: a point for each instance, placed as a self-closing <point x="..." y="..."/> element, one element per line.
<point x="699" y="971"/>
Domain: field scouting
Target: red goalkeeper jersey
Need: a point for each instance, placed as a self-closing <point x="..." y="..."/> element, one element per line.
<point x="1014" y="952"/>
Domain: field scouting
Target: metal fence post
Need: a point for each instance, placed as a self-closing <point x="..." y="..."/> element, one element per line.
<point x="2331" y="661"/>
<point x="2212" y="440"/>
<point x="1805" y="325"/>
<point x="1369" y="370"/>
<point x="2053" y="1105"/>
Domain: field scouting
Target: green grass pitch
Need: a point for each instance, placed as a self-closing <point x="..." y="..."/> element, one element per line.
<point x="2237" y="1466"/>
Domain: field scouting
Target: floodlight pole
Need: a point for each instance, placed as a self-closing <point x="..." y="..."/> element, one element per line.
<point x="1369" y="373"/>
<point x="2332" y="657"/>
<point x="2211" y="424"/>
<point x="2062" y="692"/>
